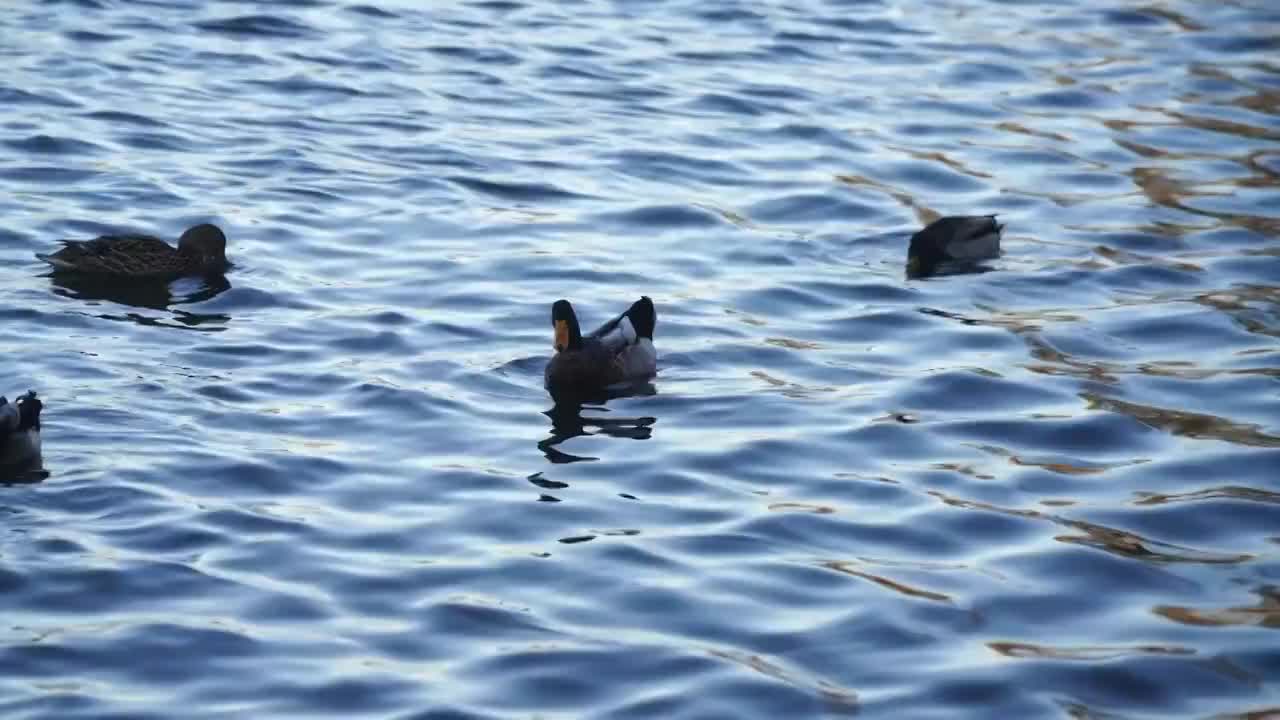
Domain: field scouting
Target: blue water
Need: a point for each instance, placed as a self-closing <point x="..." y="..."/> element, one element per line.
<point x="333" y="486"/>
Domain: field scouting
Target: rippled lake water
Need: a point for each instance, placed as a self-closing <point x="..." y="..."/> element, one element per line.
<point x="333" y="485"/>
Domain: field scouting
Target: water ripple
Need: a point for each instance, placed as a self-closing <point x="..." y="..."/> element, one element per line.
<point x="331" y="482"/>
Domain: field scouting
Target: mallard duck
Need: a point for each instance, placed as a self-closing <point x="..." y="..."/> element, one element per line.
<point x="618" y="351"/>
<point x="958" y="238"/>
<point x="201" y="249"/>
<point x="20" y="430"/>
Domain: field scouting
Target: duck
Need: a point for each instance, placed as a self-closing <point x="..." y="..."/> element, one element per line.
<point x="20" y="430"/>
<point x="955" y="238"/>
<point x="202" y="249"/>
<point x="619" y="351"/>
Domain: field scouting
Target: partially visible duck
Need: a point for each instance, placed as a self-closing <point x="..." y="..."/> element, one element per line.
<point x="20" y="430"/>
<point x="620" y="350"/>
<point x="201" y="250"/>
<point x="957" y="238"/>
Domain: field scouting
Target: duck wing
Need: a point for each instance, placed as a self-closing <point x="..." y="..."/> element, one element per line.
<point x="629" y="328"/>
<point x="615" y="335"/>
<point x="974" y="237"/>
<point x="132" y="255"/>
<point x="21" y="415"/>
<point x="629" y="338"/>
<point x="9" y="418"/>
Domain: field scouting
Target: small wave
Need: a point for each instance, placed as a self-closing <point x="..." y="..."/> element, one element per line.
<point x="255" y="26"/>
<point x="49" y="145"/>
<point x="517" y="191"/>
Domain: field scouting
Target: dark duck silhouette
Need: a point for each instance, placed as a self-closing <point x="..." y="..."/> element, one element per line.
<point x="959" y="239"/>
<point x="20" y="431"/>
<point x="202" y="249"/>
<point x="619" y="351"/>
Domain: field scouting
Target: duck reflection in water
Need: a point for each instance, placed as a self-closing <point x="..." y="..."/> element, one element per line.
<point x="568" y="421"/>
<point x="151" y="294"/>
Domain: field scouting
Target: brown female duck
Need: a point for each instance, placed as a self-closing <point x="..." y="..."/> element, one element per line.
<point x="201" y="250"/>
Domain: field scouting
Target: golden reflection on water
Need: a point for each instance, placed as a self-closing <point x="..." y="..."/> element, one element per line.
<point x="848" y="568"/>
<point x="1164" y="187"/>
<point x="1185" y="423"/>
<point x="801" y="508"/>
<point x="1111" y="540"/>
<point x="844" y="699"/>
<point x="1057" y="465"/>
<point x="792" y="390"/>
<point x="1121" y="542"/>
<point x="1265" y="614"/>
<point x="1086" y="653"/>
<point x="1236" y="304"/>
<point x="1217" y="493"/>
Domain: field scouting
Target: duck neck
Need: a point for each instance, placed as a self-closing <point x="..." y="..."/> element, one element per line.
<point x="568" y="334"/>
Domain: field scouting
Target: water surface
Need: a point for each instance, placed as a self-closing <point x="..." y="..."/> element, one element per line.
<point x="332" y="485"/>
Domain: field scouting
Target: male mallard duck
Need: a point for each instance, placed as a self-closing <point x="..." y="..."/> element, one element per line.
<point x="620" y="350"/>
<point x="958" y="238"/>
<point x="20" y="430"/>
<point x="201" y="249"/>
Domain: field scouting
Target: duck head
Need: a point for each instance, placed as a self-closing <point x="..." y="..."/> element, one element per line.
<point x="924" y="254"/>
<point x="565" y="322"/>
<point x="205" y="245"/>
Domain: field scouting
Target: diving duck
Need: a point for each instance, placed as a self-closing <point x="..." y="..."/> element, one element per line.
<point x="618" y="351"/>
<point x="957" y="238"/>
<point x="20" y="430"/>
<point x="201" y="249"/>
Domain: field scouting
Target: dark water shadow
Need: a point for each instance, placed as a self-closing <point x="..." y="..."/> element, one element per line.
<point x="161" y="295"/>
<point x="947" y="269"/>
<point x="29" y="473"/>
<point x="568" y="421"/>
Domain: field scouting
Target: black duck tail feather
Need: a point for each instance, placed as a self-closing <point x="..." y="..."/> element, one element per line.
<point x="29" y="407"/>
<point x="643" y="317"/>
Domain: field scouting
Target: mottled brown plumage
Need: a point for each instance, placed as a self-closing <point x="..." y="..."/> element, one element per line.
<point x="201" y="249"/>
